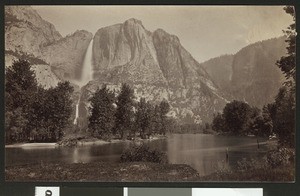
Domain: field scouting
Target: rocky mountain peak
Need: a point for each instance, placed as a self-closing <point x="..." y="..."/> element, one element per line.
<point x="29" y="36"/>
<point x="81" y="32"/>
<point x="156" y="65"/>
<point x="125" y="52"/>
<point x="29" y="15"/>
<point x="165" y="37"/>
<point x="133" y="21"/>
<point x="251" y="74"/>
<point x="26" y="32"/>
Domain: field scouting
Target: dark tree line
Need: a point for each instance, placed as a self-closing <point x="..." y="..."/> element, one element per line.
<point x="275" y="118"/>
<point x="122" y="116"/>
<point x="102" y="110"/>
<point x="239" y="118"/>
<point x="33" y="113"/>
<point x="283" y="110"/>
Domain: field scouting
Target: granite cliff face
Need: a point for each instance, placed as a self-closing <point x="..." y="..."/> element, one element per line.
<point x="66" y="55"/>
<point x="156" y="66"/>
<point x="125" y="53"/>
<point x="256" y="77"/>
<point x="30" y="37"/>
<point x="26" y="31"/>
<point x="220" y="69"/>
<point x="251" y="74"/>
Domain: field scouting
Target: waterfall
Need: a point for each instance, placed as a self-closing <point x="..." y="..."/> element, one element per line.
<point x="86" y="74"/>
<point x="87" y="66"/>
<point x="76" y="113"/>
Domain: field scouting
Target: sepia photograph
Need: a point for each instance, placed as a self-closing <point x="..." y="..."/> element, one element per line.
<point x="150" y="93"/>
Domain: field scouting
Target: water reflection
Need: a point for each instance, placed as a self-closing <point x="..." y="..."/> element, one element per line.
<point x="205" y="153"/>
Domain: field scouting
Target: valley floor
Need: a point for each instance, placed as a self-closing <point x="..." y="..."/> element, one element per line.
<point x="103" y="172"/>
<point x="138" y="172"/>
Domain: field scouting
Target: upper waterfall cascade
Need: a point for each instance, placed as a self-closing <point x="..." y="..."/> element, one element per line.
<point x="87" y="67"/>
<point x="86" y="74"/>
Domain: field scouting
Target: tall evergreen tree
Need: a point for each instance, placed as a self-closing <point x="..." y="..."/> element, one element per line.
<point x="50" y="112"/>
<point x="164" y="109"/>
<point x="287" y="63"/>
<point x="124" y="113"/>
<point x="144" y="115"/>
<point x="20" y="85"/>
<point x="102" y="110"/>
<point x="156" y="120"/>
<point x="284" y="120"/>
<point x="39" y="115"/>
<point x="61" y="108"/>
<point x="284" y="108"/>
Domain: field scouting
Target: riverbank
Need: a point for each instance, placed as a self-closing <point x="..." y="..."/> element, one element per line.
<point x="138" y="172"/>
<point x="78" y="141"/>
<point x="102" y="172"/>
<point x="32" y="145"/>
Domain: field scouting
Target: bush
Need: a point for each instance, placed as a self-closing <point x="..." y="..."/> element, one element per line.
<point x="280" y="157"/>
<point x="250" y="164"/>
<point x="142" y="153"/>
<point x="273" y="159"/>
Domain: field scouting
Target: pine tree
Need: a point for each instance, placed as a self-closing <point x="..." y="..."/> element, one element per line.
<point x="284" y="120"/>
<point x="102" y="110"/>
<point x="124" y="113"/>
<point x="38" y="116"/>
<point x="156" y="120"/>
<point x="287" y="64"/>
<point x="20" y="85"/>
<point x="164" y="108"/>
<point x="144" y="115"/>
<point x="284" y="112"/>
<point x="62" y="108"/>
<point x="31" y="112"/>
<point x="50" y="112"/>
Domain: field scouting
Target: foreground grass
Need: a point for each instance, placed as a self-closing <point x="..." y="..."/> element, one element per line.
<point x="103" y="172"/>
<point x="140" y="172"/>
<point x="281" y="174"/>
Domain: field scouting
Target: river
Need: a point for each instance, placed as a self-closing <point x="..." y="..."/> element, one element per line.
<point x="203" y="152"/>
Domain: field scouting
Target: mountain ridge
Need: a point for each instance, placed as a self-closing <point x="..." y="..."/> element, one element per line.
<point x="251" y="74"/>
<point x="29" y="36"/>
<point x="154" y="63"/>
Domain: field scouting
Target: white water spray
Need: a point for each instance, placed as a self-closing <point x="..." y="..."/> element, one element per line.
<point x="87" y="67"/>
<point x="76" y="113"/>
<point x="86" y="74"/>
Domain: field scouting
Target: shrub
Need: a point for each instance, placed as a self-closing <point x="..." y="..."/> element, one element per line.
<point x="280" y="157"/>
<point x="142" y="153"/>
<point x="250" y="164"/>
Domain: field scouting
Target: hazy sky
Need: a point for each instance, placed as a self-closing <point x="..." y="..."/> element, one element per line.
<point x="205" y="31"/>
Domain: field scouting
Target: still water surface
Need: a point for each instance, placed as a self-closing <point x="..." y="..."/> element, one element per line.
<point x="203" y="152"/>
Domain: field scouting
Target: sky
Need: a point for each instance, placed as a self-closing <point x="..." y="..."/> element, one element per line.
<point x="205" y="31"/>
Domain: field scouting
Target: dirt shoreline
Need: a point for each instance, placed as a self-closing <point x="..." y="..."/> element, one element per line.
<point x="102" y="172"/>
<point x="138" y="172"/>
<point x="85" y="142"/>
